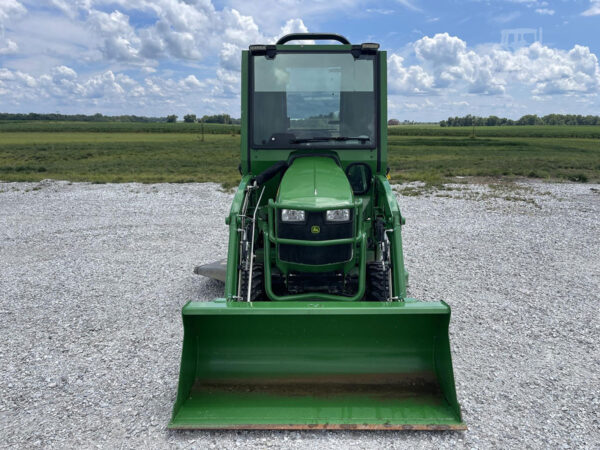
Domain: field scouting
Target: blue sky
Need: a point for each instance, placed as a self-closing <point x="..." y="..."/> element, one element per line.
<point x="159" y="57"/>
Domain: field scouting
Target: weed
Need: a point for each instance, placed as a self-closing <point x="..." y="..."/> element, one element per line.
<point x="578" y="177"/>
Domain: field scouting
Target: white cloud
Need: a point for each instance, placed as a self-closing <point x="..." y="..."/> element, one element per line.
<point x="118" y="38"/>
<point x="293" y="26"/>
<point x="408" y="80"/>
<point x="448" y="65"/>
<point x="227" y="81"/>
<point x="188" y="32"/>
<point x="63" y="73"/>
<point x="191" y="82"/>
<point x="593" y="10"/>
<point x="110" y="92"/>
<point x="450" y="62"/>
<point x="384" y="12"/>
<point x="8" y="46"/>
<point x="10" y="9"/>
<point x="409" y="4"/>
<point x="270" y="14"/>
<point x="440" y="49"/>
<point x="178" y="31"/>
<point x="555" y="71"/>
<point x="103" y="86"/>
<point x="545" y="11"/>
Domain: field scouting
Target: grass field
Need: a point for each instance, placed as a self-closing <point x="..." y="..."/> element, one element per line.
<point x="39" y="126"/>
<point x="531" y="131"/>
<point x="161" y="152"/>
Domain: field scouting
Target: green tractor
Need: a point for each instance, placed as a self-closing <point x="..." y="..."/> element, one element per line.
<point x="315" y="330"/>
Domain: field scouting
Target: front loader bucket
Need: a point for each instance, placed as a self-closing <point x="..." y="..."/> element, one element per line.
<point x="297" y="365"/>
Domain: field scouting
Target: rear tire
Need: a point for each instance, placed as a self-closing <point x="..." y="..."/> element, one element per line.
<point x="257" y="291"/>
<point x="378" y="285"/>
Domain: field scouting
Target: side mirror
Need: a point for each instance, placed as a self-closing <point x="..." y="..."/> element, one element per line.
<point x="359" y="175"/>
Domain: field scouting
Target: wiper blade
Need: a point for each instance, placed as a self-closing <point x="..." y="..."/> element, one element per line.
<point x="362" y="139"/>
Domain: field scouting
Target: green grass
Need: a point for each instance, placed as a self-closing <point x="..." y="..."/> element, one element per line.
<point x="119" y="157"/>
<point x="516" y="131"/>
<point x="438" y="159"/>
<point x="39" y="126"/>
<point x="161" y="152"/>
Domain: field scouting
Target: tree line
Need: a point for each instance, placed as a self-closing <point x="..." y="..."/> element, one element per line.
<point x="217" y="118"/>
<point x="56" y="117"/>
<point x="466" y="121"/>
<point x="528" y="119"/>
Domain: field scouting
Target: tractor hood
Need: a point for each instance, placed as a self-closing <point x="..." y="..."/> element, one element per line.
<point x="315" y="182"/>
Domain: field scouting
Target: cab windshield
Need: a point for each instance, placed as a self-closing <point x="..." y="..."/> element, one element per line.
<point x="302" y="100"/>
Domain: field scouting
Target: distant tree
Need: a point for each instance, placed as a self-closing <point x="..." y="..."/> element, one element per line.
<point x="492" y="121"/>
<point x="189" y="118"/>
<point x="529" y="119"/>
<point x="172" y="118"/>
<point x="218" y="118"/>
<point x="392" y="122"/>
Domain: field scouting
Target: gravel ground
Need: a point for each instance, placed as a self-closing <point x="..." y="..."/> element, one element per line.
<point x="93" y="277"/>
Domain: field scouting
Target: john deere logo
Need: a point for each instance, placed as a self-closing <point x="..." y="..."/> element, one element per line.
<point x="315" y="229"/>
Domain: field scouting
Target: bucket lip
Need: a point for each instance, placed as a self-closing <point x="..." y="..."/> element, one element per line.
<point x="175" y="425"/>
<point x="222" y="307"/>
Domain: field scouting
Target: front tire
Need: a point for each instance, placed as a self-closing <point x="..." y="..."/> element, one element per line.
<point x="257" y="291"/>
<point x="378" y="283"/>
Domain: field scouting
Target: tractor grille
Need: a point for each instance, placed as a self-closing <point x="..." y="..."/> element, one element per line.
<point x="328" y="254"/>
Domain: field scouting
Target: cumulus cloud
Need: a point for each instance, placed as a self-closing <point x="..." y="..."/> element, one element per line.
<point x="293" y="26"/>
<point x="408" y="80"/>
<point x="108" y="91"/>
<point x="440" y="49"/>
<point x="269" y="14"/>
<point x="447" y="64"/>
<point x="451" y="63"/>
<point x="186" y="31"/>
<point x="189" y="32"/>
<point x="191" y="82"/>
<point x="228" y="75"/>
<point x="118" y="38"/>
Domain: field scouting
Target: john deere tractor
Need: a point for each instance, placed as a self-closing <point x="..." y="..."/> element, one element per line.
<point x="315" y="329"/>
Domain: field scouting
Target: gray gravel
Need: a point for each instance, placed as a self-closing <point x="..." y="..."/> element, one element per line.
<point x="93" y="277"/>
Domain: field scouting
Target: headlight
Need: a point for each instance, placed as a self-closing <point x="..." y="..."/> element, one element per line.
<point x="338" y="215"/>
<point x="292" y="215"/>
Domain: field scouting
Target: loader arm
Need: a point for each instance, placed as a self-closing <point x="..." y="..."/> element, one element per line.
<point x="394" y="222"/>
<point x="233" y="220"/>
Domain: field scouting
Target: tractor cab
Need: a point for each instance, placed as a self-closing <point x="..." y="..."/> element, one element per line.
<point x="313" y="127"/>
<point x="307" y="100"/>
